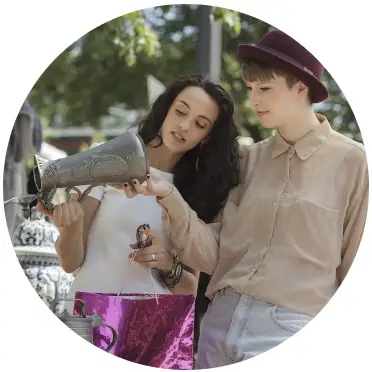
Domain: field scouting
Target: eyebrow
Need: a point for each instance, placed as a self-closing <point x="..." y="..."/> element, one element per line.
<point x="202" y="116"/>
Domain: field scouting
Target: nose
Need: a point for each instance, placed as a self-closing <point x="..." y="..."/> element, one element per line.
<point x="253" y="98"/>
<point x="184" y="125"/>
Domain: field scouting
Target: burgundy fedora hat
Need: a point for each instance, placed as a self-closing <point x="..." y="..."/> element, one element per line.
<point x="284" y="53"/>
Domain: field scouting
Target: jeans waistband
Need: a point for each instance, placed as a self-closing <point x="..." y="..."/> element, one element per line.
<point x="234" y="292"/>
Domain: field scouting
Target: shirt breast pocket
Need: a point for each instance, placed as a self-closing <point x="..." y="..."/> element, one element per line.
<point x="316" y="231"/>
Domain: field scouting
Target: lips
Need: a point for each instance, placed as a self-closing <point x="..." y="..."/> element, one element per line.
<point x="178" y="137"/>
<point x="260" y="113"/>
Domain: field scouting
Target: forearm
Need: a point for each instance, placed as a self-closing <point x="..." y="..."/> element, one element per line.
<point x="70" y="247"/>
<point x="72" y="242"/>
<point x="196" y="242"/>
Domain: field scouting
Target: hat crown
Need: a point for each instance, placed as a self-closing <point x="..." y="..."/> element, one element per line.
<point x="283" y="44"/>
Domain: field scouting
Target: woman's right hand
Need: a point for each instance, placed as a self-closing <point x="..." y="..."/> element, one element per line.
<point x="66" y="214"/>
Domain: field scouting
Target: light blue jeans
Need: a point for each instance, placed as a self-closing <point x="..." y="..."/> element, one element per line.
<point x="237" y="327"/>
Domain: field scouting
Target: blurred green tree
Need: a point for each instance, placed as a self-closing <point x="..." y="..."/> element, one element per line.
<point x="109" y="66"/>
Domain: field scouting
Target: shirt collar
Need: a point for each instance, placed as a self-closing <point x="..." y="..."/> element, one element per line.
<point x="308" y="144"/>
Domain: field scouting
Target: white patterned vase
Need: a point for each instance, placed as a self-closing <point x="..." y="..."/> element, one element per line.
<point x="34" y="243"/>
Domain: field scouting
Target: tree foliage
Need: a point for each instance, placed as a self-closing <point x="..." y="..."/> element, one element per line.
<point x="109" y="66"/>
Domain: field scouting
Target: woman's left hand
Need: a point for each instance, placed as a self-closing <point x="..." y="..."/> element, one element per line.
<point x="154" y="256"/>
<point x="153" y="186"/>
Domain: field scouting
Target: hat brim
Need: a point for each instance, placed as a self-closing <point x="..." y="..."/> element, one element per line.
<point x="318" y="90"/>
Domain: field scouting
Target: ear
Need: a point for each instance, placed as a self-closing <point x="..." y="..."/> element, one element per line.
<point x="302" y="89"/>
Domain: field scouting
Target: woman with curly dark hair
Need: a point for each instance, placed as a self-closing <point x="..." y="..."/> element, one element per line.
<point x="207" y="159"/>
<point x="192" y="141"/>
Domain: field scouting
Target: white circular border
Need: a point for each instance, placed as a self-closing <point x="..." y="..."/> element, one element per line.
<point x="33" y="34"/>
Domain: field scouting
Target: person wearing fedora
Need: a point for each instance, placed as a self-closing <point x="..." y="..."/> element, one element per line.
<point x="289" y="232"/>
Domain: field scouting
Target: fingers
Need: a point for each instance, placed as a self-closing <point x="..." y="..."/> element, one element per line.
<point x="148" y="260"/>
<point x="150" y="256"/>
<point x="129" y="191"/>
<point x="148" y="251"/>
<point x="158" y="187"/>
<point x="57" y="215"/>
<point x="79" y="212"/>
<point x="153" y="257"/>
<point x="153" y="237"/>
<point x="135" y="188"/>
<point x="146" y="188"/>
<point x="150" y="185"/>
<point x="134" y="246"/>
<point x="155" y="176"/>
<point x="148" y="265"/>
<point x="67" y="214"/>
<point x="140" y="189"/>
<point x="42" y="209"/>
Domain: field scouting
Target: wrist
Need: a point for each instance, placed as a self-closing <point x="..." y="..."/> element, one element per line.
<point x="167" y="266"/>
<point x="167" y="191"/>
<point x="174" y="276"/>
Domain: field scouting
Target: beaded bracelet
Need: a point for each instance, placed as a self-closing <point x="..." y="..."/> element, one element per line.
<point x="172" y="278"/>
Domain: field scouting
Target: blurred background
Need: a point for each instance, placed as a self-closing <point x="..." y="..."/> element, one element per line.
<point x="107" y="80"/>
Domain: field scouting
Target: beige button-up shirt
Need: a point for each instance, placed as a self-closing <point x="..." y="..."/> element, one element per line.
<point x="289" y="233"/>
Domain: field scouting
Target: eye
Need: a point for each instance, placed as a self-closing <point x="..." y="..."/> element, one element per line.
<point x="200" y="125"/>
<point x="265" y="89"/>
<point x="180" y="112"/>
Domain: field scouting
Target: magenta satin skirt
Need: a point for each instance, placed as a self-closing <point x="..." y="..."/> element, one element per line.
<point x="154" y="334"/>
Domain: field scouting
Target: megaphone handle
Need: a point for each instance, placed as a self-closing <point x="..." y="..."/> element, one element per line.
<point x="81" y="195"/>
<point x="46" y="198"/>
<point x="86" y="192"/>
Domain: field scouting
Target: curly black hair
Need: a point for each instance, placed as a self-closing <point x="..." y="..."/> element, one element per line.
<point x="204" y="183"/>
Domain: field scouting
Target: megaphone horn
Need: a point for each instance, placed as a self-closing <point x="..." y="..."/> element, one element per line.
<point x="117" y="161"/>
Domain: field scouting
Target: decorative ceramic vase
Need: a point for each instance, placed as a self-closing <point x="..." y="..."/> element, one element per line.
<point x="34" y="243"/>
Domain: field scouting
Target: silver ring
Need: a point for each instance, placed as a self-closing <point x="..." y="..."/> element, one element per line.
<point x="153" y="257"/>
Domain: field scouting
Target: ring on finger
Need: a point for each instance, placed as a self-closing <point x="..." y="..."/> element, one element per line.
<point x="153" y="257"/>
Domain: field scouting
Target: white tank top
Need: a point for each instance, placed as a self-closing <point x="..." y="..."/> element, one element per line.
<point x="106" y="265"/>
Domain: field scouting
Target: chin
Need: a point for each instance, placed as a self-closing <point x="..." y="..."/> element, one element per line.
<point x="173" y="147"/>
<point x="267" y="123"/>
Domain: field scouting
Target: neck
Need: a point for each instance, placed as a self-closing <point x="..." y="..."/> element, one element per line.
<point x="304" y="123"/>
<point x="162" y="158"/>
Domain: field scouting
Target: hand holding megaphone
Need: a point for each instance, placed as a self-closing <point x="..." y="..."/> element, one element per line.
<point x="153" y="186"/>
<point x="65" y="214"/>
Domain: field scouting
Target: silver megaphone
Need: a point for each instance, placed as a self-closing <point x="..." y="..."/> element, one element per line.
<point x="116" y="161"/>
